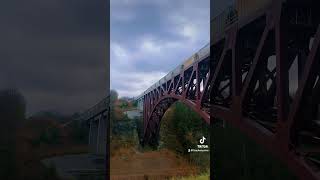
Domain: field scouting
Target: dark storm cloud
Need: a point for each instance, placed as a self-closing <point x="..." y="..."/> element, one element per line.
<point x="54" y="52"/>
<point x="58" y="17"/>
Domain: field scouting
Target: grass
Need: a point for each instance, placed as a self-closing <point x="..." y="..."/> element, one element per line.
<point x="204" y="176"/>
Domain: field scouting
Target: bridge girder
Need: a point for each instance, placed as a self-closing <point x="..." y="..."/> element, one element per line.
<point x="265" y="82"/>
<point x="97" y="120"/>
<point x="188" y="87"/>
<point x="250" y="82"/>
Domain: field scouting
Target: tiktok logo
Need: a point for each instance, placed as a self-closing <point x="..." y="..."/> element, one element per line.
<point x="201" y="147"/>
<point x="202" y="140"/>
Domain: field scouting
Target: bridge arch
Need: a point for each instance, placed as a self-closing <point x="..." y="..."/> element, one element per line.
<point x="188" y="83"/>
<point x="152" y="123"/>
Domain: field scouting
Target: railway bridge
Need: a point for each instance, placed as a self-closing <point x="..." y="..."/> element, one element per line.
<point x="262" y="77"/>
<point x="96" y="119"/>
<point x="187" y="83"/>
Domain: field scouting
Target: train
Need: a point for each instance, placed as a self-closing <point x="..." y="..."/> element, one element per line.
<point x="198" y="56"/>
<point x="232" y="11"/>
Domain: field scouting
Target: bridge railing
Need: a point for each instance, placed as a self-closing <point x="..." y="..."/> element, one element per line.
<point x="224" y="19"/>
<point x="95" y="110"/>
<point x="200" y="55"/>
<point x="204" y="52"/>
<point x="238" y="11"/>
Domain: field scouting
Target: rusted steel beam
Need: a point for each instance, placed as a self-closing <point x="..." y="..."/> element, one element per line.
<point x="289" y="120"/>
<point x="154" y="105"/>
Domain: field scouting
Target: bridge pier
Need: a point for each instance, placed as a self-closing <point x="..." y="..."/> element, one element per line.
<point x="98" y="134"/>
<point x="102" y="135"/>
<point x="93" y="136"/>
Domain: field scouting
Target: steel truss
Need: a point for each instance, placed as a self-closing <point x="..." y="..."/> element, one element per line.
<point x="265" y="82"/>
<point x="190" y="87"/>
<point x="262" y="77"/>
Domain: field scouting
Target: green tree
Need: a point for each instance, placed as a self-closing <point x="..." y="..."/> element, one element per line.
<point x="181" y="128"/>
<point x="113" y="96"/>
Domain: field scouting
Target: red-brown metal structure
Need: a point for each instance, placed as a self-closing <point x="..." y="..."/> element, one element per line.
<point x="186" y="86"/>
<point x="262" y="78"/>
<point x="270" y="63"/>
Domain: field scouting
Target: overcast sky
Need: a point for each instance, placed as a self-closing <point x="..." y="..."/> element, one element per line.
<point x="149" y="38"/>
<point x="54" y="52"/>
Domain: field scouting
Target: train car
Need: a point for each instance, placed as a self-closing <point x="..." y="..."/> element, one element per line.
<point x="228" y="12"/>
<point x="188" y="62"/>
<point x="246" y="8"/>
<point x="204" y="52"/>
<point x="176" y="71"/>
<point x="221" y="10"/>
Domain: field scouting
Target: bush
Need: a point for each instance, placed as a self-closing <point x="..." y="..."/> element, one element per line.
<point x="181" y="129"/>
<point x="50" y="173"/>
<point x="51" y="136"/>
<point x="79" y="133"/>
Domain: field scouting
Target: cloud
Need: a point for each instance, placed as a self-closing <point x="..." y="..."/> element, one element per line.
<point x="120" y="10"/>
<point x="192" y="21"/>
<point x="189" y="31"/>
<point x="133" y="83"/>
<point x="118" y="51"/>
<point x="161" y="36"/>
<point x="54" y="52"/>
<point x="148" y="45"/>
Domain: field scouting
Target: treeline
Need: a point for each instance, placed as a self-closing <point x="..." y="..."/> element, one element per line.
<point x="123" y="132"/>
<point x="181" y="129"/>
<point x="13" y="162"/>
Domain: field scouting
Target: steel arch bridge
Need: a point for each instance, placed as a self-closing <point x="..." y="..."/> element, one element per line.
<point x="188" y="83"/>
<point x="262" y="77"/>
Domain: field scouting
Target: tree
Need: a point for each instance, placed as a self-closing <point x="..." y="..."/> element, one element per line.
<point x="113" y="99"/>
<point x="12" y="113"/>
<point x="113" y="96"/>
